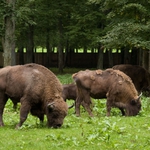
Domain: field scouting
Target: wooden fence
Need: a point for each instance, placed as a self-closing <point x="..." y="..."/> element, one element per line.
<point x="1" y="59"/>
<point x="80" y="60"/>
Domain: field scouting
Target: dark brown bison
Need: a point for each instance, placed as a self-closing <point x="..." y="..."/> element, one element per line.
<point x="70" y="93"/>
<point x="37" y="89"/>
<point x="114" y="85"/>
<point x="140" y="76"/>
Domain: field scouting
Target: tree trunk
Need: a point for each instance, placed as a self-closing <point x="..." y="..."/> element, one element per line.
<point x="66" y="54"/>
<point x="145" y="59"/>
<point x="110" y="58"/>
<point x="21" y="55"/>
<point x="140" y="56"/>
<point x="8" y="41"/>
<point x="126" y="54"/>
<point x="100" y="58"/>
<point x="148" y="60"/>
<point x="60" y="47"/>
<point x="48" y="58"/>
<point x="30" y="46"/>
<point x="122" y="55"/>
<point x="134" y="56"/>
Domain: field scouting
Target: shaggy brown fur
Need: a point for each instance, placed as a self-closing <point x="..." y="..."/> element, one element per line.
<point x="139" y="76"/>
<point x="37" y="89"/>
<point x="111" y="84"/>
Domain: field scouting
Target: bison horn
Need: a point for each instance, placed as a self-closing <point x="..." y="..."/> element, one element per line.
<point x="69" y="107"/>
<point x="51" y="105"/>
<point x="139" y="96"/>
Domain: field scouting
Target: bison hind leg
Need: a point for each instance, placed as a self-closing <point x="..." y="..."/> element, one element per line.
<point x="108" y="111"/>
<point x="108" y="106"/>
<point x="88" y="108"/>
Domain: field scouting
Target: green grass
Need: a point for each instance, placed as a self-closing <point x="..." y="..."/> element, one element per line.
<point x="79" y="133"/>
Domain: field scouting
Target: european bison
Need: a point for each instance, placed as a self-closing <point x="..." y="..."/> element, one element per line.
<point x="37" y="89"/>
<point x="140" y="76"/>
<point x="111" y="84"/>
<point x="70" y="92"/>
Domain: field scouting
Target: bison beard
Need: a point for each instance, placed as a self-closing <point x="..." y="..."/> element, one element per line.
<point x="37" y="89"/>
<point x="111" y="84"/>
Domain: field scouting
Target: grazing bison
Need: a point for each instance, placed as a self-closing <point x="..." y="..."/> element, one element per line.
<point x="114" y="85"/>
<point x="140" y="76"/>
<point x="70" y="92"/>
<point x="37" y="89"/>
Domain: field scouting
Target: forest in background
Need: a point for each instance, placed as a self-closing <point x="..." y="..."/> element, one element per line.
<point x="70" y="25"/>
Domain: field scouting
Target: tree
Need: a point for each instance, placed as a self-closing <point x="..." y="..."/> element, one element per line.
<point x="128" y="24"/>
<point x="62" y="24"/>
<point x="68" y="25"/>
<point x="8" y="38"/>
<point x="25" y="16"/>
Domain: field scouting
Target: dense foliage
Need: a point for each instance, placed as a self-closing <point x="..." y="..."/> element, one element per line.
<point x="86" y="24"/>
<point x="123" y="23"/>
<point x="129" y="24"/>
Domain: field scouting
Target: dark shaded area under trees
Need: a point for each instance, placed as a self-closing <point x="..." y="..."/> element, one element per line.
<point x="114" y="32"/>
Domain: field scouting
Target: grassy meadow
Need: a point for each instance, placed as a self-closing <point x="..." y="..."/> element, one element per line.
<point x="79" y="133"/>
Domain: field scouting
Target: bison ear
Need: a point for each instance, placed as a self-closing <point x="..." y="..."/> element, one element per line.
<point x="51" y="106"/>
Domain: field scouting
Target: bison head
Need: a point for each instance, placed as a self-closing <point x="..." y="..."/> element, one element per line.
<point x="134" y="107"/>
<point x="56" y="112"/>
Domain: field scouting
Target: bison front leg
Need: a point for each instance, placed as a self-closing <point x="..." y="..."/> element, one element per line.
<point x="3" y="100"/>
<point x="85" y="100"/>
<point x="24" y="111"/>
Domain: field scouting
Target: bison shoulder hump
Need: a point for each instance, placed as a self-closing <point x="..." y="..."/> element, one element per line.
<point x="123" y="75"/>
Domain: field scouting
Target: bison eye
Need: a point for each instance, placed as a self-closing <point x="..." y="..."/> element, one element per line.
<point x="50" y="110"/>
